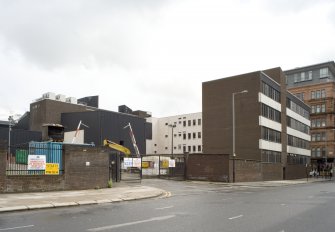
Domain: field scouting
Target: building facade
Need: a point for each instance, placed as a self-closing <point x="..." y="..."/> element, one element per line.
<point x="271" y="125"/>
<point x="178" y="134"/>
<point x="315" y="85"/>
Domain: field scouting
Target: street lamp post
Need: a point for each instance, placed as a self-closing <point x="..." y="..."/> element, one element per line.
<point x="172" y="126"/>
<point x="233" y="110"/>
<point x="10" y="120"/>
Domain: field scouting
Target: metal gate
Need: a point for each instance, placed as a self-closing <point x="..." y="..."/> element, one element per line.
<point x="164" y="166"/>
<point x="124" y="168"/>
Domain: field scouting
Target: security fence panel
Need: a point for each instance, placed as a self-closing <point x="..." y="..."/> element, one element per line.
<point x="35" y="158"/>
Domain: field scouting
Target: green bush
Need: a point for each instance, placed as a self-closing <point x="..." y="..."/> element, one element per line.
<point x="110" y="183"/>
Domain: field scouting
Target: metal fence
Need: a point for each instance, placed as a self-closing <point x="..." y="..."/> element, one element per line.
<point x="34" y="158"/>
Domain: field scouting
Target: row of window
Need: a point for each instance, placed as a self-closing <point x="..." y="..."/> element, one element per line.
<point x="318" y="122"/>
<point x="319" y="136"/>
<point x="187" y="148"/>
<point x="297" y="159"/>
<point x="193" y="122"/>
<point x="271" y="135"/>
<point x="307" y="76"/>
<point x="318" y="151"/>
<point x="297" y="142"/>
<point x="296" y="108"/>
<point x="297" y="125"/>
<point x="318" y="94"/>
<point x="271" y="156"/>
<point x="316" y="109"/>
<point x="271" y="113"/>
<point x="193" y="135"/>
<point x="270" y="92"/>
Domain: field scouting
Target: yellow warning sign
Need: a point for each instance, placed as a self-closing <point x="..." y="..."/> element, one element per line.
<point x="52" y="169"/>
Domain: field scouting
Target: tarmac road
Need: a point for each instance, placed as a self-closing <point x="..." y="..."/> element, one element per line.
<point x="195" y="206"/>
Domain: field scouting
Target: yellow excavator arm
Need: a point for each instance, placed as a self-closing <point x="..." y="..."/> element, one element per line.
<point x="117" y="147"/>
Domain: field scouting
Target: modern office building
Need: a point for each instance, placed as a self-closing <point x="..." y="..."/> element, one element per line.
<point x="178" y="134"/>
<point x="253" y="118"/>
<point x="315" y="85"/>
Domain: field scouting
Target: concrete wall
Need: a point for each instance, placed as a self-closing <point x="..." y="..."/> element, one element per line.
<point x="208" y="167"/>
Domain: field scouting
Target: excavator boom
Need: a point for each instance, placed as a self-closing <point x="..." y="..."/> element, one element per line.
<point x="117" y="147"/>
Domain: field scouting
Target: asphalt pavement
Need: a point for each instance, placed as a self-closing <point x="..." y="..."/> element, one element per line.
<point x="120" y="192"/>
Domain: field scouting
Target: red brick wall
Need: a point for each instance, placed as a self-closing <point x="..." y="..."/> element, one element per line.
<point x="246" y="170"/>
<point x="295" y="171"/>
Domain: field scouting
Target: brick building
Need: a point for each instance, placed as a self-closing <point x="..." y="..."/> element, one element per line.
<point x="315" y="85"/>
<point x="271" y="126"/>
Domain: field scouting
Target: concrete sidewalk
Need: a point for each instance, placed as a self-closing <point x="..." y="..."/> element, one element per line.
<point x="29" y="201"/>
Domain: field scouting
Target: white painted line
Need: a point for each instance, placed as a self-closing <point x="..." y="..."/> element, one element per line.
<point x="232" y="218"/>
<point x="226" y="199"/>
<point x="167" y="207"/>
<point x="14" y="228"/>
<point x="132" y="223"/>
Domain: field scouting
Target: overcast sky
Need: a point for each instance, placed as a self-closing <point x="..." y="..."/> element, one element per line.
<point x="151" y="55"/>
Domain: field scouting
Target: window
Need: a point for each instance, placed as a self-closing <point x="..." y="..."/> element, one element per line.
<point x="318" y="94"/>
<point x="194" y="135"/>
<point x="189" y="149"/>
<point x="199" y="121"/>
<point x="271" y="156"/>
<point x="270" y="92"/>
<point x="179" y="146"/>
<point x="323" y="93"/>
<point x="184" y="135"/>
<point x="184" y="123"/>
<point x="271" y="135"/>
<point x="166" y="124"/>
<point x="194" y="122"/>
<point x="184" y="148"/>
<point x="323" y="72"/>
<point x="312" y="95"/>
<point x="271" y="113"/>
<point x="175" y="135"/>
<point x="189" y="136"/>
<point x="199" y="135"/>
<point x="323" y="108"/>
<point x="166" y="148"/>
<point x="296" y="77"/>
<point x="166" y="136"/>
<point x="302" y="75"/>
<point x="199" y="148"/>
<point x="189" y="122"/>
<point x="310" y="75"/>
<point x="194" y="148"/>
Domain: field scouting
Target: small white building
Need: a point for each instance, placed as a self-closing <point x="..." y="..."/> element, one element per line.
<point x="186" y="137"/>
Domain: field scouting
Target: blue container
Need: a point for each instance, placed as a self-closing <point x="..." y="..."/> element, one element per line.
<point x="52" y="150"/>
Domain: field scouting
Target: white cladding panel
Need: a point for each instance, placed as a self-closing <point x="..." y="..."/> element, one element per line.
<point x="298" y="134"/>
<point x="298" y="151"/>
<point x="298" y="117"/>
<point x="268" y="101"/>
<point x="267" y="145"/>
<point x="269" y="123"/>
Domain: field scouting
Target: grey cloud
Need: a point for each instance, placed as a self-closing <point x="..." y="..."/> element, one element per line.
<point x="56" y="33"/>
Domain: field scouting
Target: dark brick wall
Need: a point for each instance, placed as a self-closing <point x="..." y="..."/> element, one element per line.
<point x="272" y="171"/>
<point x="34" y="183"/>
<point x="76" y="174"/>
<point x="3" y="158"/>
<point x="295" y="171"/>
<point x="208" y="167"/>
<point x="80" y="176"/>
<point x="246" y="170"/>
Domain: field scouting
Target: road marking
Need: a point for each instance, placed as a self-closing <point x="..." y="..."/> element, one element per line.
<point x="132" y="223"/>
<point x="226" y="199"/>
<point x="232" y="218"/>
<point x="18" y="227"/>
<point x="282" y="204"/>
<point x="167" y="207"/>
